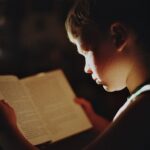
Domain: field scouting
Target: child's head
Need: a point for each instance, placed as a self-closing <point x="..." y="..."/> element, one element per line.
<point x="107" y="33"/>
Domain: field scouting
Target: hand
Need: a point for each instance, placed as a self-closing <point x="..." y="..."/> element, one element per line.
<point x="7" y="117"/>
<point x="87" y="107"/>
<point x="10" y="136"/>
<point x="99" y="123"/>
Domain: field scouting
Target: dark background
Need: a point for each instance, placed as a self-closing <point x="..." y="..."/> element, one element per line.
<point x="33" y="39"/>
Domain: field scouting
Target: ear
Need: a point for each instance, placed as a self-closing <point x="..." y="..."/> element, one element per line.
<point x="119" y="35"/>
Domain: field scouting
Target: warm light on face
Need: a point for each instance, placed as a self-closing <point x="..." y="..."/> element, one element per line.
<point x="90" y="66"/>
<point x="107" y="67"/>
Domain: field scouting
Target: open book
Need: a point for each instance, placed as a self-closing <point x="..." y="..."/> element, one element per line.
<point x="44" y="105"/>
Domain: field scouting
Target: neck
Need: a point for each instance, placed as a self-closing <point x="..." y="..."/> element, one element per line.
<point x="137" y="76"/>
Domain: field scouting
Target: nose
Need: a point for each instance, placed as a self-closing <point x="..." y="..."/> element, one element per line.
<point x="87" y="69"/>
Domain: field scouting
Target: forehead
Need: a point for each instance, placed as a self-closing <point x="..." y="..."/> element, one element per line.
<point x="90" y="41"/>
<point x="81" y="48"/>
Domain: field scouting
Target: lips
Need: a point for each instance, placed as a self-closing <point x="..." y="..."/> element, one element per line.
<point x="98" y="81"/>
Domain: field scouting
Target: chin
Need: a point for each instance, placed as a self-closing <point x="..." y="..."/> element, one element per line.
<point x="106" y="88"/>
<point x="112" y="89"/>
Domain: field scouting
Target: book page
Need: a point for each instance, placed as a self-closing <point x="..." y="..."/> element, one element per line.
<point x="55" y="100"/>
<point x="29" y="121"/>
<point x="1" y="96"/>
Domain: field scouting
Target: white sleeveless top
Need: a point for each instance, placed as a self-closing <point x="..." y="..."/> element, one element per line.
<point x="131" y="99"/>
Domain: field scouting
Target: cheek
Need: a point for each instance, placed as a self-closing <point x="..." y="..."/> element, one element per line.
<point x="112" y="68"/>
<point x="115" y="74"/>
<point x="103" y="63"/>
<point x="104" y="56"/>
<point x="106" y="63"/>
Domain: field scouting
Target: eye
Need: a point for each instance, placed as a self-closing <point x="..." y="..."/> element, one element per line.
<point x="89" y="53"/>
<point x="82" y="52"/>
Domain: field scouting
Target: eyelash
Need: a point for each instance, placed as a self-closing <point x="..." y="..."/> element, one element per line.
<point x="83" y="53"/>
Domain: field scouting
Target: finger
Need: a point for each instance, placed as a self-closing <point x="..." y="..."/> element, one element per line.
<point x="8" y="105"/>
<point x="1" y="101"/>
<point x="84" y="102"/>
<point x="4" y="103"/>
<point x="80" y="99"/>
<point x="80" y="102"/>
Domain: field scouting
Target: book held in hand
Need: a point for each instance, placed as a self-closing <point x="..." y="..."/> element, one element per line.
<point x="44" y="105"/>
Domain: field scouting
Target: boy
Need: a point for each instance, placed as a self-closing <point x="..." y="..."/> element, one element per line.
<point x="113" y="38"/>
